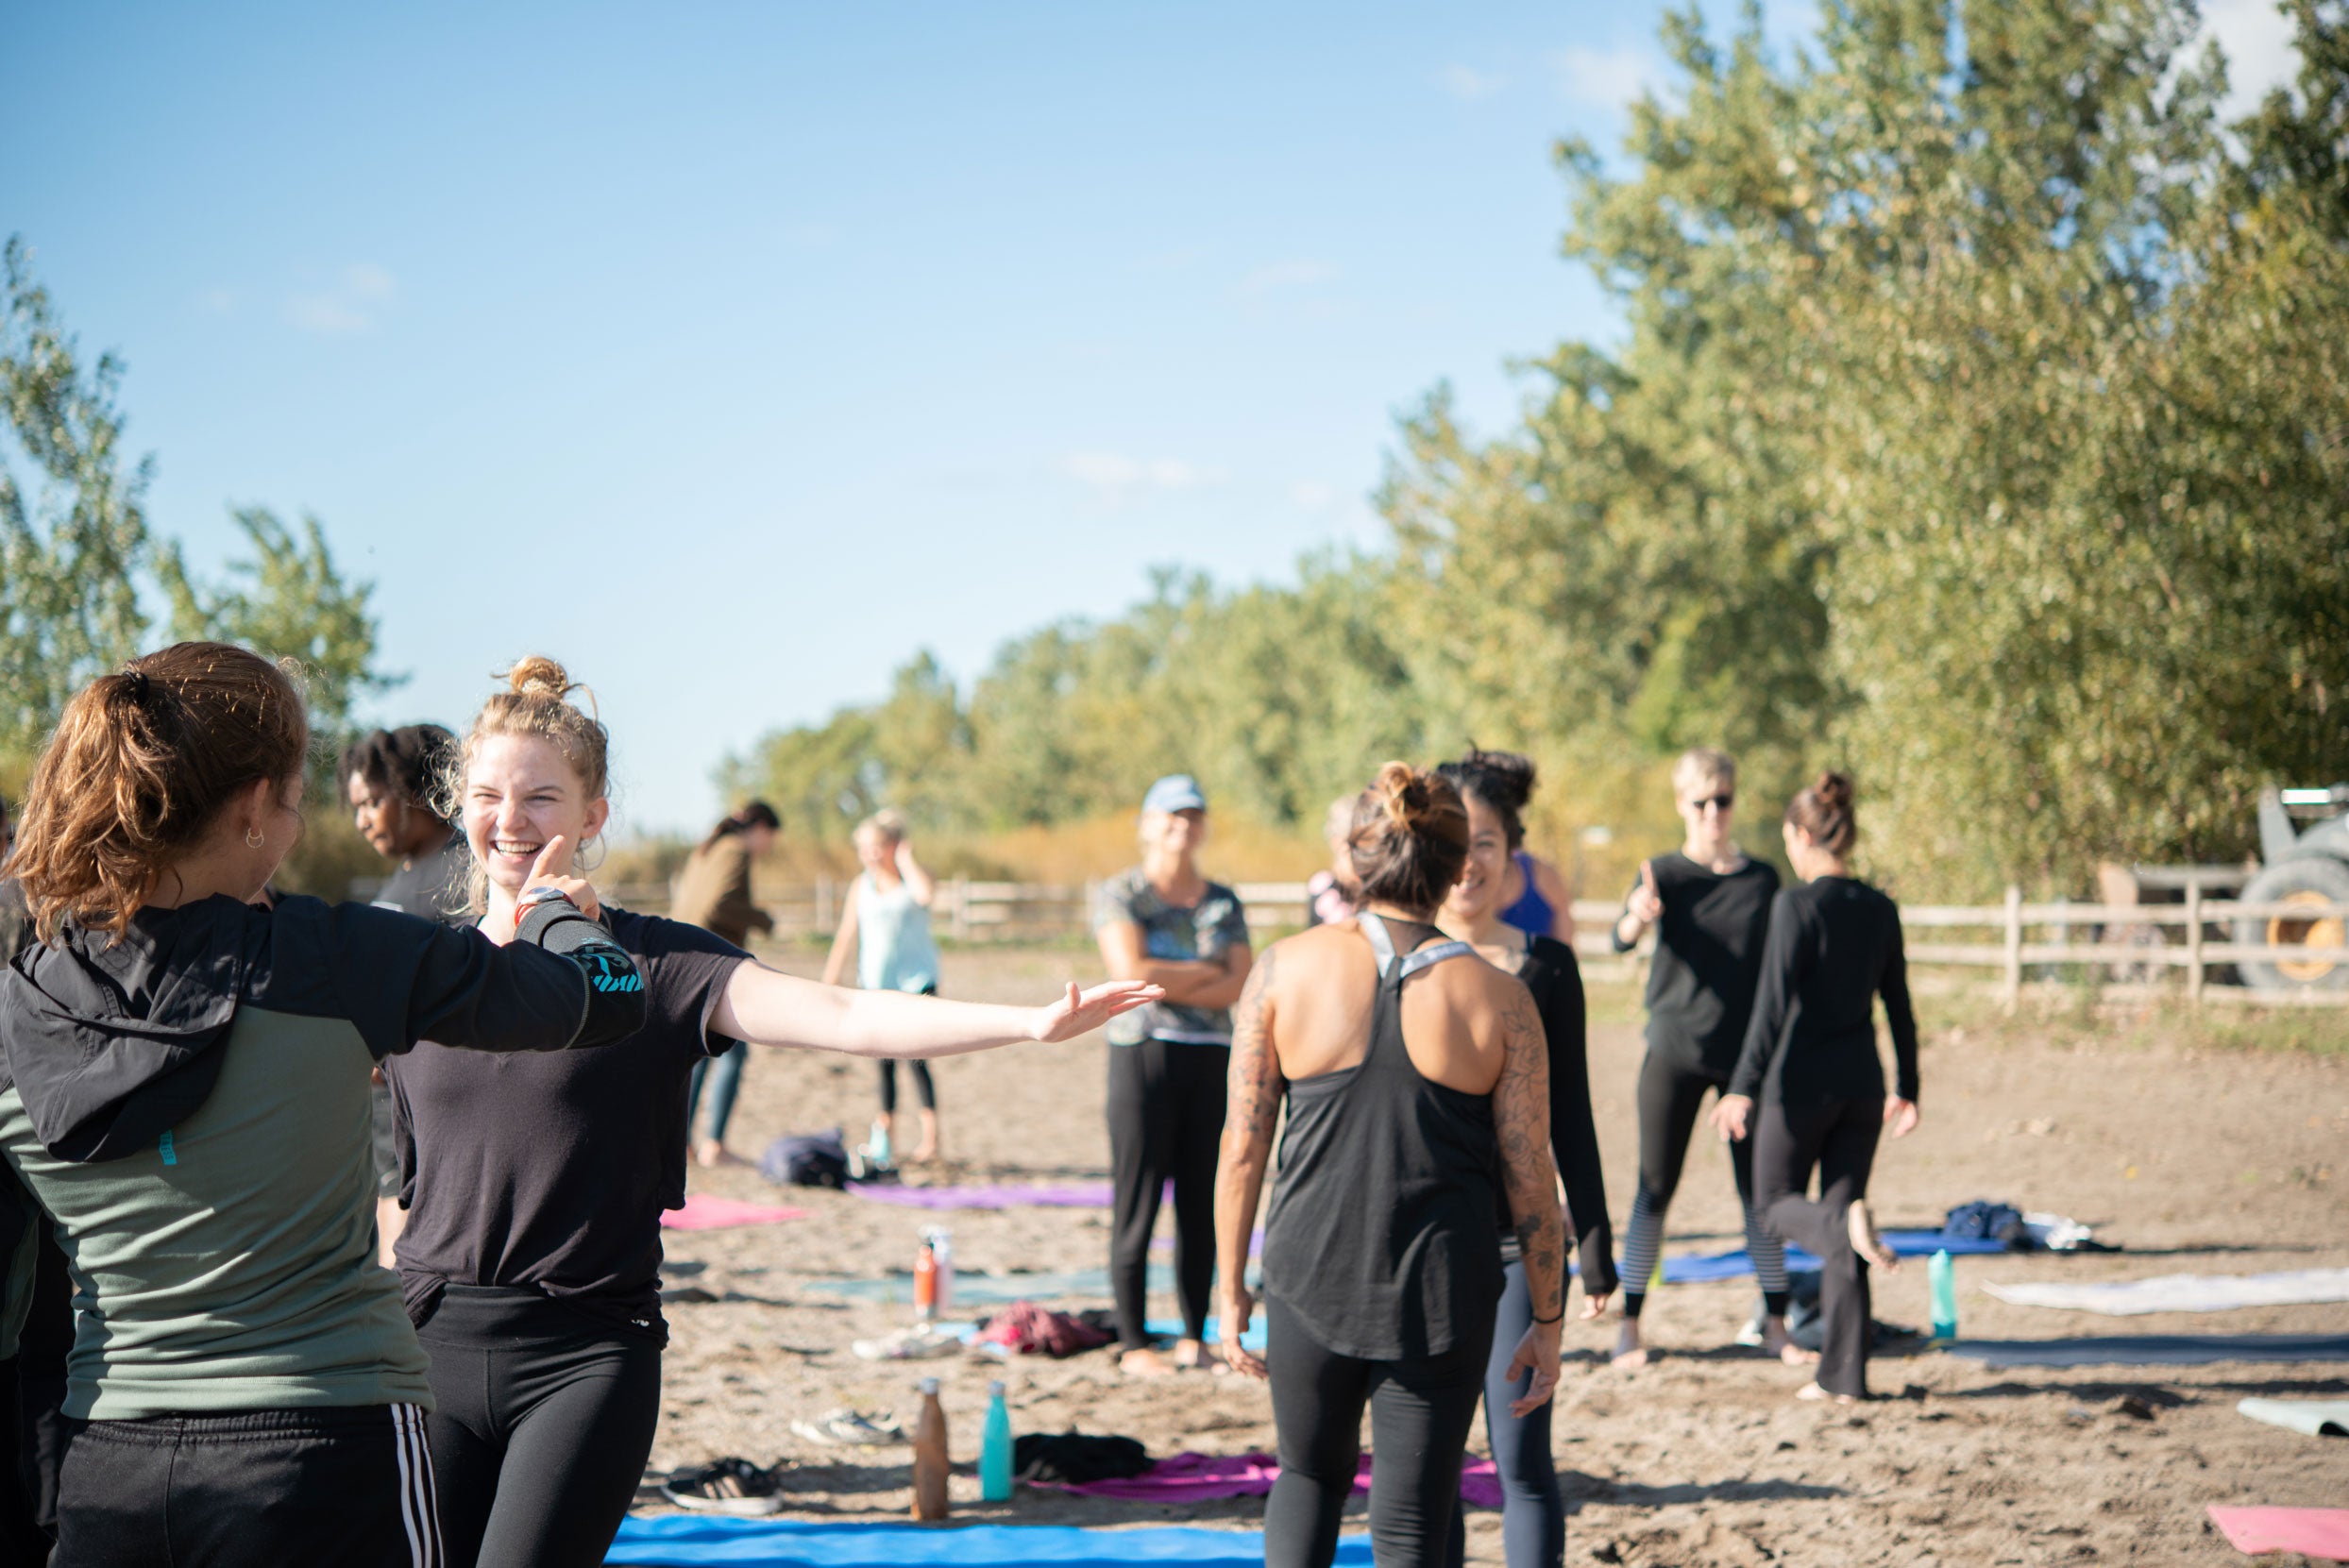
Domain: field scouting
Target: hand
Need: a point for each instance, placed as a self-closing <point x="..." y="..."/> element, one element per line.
<point x="552" y="868"/>
<point x="1646" y="904"/>
<point x="1537" y="1353"/>
<point x="1901" y="1116"/>
<point x="904" y="856"/>
<point x="1231" y="1325"/>
<point x="1080" y="1011"/>
<point x="1729" y="1116"/>
<point x="1595" y="1303"/>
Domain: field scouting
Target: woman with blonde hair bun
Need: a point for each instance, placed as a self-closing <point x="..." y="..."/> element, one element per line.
<point x="531" y="1261"/>
<point x="887" y="926"/>
<point x="1416" y="1080"/>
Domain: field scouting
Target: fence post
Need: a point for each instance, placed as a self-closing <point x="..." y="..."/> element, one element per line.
<point x="961" y="925"/>
<point x="2193" y="943"/>
<point x="2014" y="946"/>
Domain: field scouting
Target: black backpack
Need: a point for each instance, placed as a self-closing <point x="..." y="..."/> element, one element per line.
<point x="806" y="1159"/>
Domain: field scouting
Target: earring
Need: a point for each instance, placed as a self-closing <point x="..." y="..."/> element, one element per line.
<point x="253" y="839"/>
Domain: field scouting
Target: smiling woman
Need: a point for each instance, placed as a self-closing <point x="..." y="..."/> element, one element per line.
<point x="531" y="1260"/>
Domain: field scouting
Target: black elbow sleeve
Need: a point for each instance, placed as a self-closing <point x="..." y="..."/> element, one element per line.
<point x="615" y="1006"/>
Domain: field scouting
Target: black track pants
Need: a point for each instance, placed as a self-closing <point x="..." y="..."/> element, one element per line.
<point x="1838" y="1139"/>
<point x="1166" y="1124"/>
<point x="1421" y="1414"/>
<point x="924" y="1090"/>
<point x="543" y="1421"/>
<point x="254" y="1489"/>
<point x="1670" y="1096"/>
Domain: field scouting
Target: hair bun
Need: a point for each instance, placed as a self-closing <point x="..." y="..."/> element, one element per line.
<point x="536" y="675"/>
<point x="1834" y="790"/>
<point x="1403" y="793"/>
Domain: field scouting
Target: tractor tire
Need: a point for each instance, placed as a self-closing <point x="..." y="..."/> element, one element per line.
<point x="2310" y="881"/>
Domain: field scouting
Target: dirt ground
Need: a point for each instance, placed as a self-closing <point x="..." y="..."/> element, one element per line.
<point x="2194" y="1161"/>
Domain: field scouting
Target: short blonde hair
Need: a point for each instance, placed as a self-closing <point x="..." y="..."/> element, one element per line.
<point x="886" y="824"/>
<point x="1704" y="767"/>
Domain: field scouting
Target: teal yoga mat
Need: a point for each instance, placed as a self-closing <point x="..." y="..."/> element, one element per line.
<point x="687" y="1542"/>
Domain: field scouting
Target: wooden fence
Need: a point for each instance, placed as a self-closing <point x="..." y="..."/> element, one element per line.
<point x="2156" y="949"/>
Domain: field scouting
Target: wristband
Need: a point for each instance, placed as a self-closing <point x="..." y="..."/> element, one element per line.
<point x="533" y="897"/>
<point x="1562" y="1312"/>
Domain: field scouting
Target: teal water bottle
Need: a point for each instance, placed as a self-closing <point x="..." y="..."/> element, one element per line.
<point x="1943" y="1278"/>
<point x="995" y="1449"/>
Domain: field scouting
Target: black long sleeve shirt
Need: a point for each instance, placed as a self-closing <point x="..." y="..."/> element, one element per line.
<point x="1556" y="981"/>
<point x="1834" y="947"/>
<point x="1708" y="957"/>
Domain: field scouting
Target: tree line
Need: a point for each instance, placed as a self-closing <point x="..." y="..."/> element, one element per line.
<point x="1982" y="427"/>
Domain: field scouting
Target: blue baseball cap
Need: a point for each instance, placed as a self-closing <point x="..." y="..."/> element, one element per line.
<point x="1175" y="792"/>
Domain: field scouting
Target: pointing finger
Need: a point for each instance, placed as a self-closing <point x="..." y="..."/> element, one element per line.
<point x="555" y="860"/>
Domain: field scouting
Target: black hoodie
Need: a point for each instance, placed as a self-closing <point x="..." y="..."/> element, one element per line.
<point x="191" y="1104"/>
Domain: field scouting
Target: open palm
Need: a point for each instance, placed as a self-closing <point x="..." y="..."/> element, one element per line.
<point x="1081" y="1010"/>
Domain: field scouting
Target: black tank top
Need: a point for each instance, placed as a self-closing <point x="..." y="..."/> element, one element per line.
<point x="1380" y="1237"/>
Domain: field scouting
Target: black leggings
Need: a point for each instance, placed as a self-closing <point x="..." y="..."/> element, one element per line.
<point x="1839" y="1139"/>
<point x="1421" y="1414"/>
<point x="1533" y="1511"/>
<point x="1166" y="1124"/>
<point x="923" y="1089"/>
<point x="543" y="1423"/>
<point x="1670" y="1095"/>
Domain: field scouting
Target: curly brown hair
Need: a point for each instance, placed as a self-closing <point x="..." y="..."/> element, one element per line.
<point x="1409" y="837"/>
<point x="141" y="762"/>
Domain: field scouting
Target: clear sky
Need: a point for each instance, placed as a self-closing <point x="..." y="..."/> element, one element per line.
<point x="733" y="353"/>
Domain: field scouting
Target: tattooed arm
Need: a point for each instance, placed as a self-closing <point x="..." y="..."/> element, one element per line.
<point x="1256" y="1088"/>
<point x="1521" y="1117"/>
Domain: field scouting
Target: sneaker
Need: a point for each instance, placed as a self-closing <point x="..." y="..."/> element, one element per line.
<point x="852" y="1427"/>
<point x="726" y="1486"/>
<point x="922" y="1343"/>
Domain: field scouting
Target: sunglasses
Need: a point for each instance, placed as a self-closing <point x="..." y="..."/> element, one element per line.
<point x="1718" y="802"/>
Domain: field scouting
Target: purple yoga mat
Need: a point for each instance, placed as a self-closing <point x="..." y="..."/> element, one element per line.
<point x="1069" y="1195"/>
<point x="1202" y="1477"/>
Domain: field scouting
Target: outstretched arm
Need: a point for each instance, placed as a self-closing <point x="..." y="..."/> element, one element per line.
<point x="773" y="1008"/>
<point x="1521" y="1117"/>
<point x="1256" y="1087"/>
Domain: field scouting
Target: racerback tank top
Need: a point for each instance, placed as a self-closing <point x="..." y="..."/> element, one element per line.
<point x="1381" y="1237"/>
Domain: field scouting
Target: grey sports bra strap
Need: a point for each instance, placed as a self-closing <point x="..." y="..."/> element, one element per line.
<point x="1383" y="945"/>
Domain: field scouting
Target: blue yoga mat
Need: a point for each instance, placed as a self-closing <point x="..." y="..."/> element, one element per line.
<point x="687" y="1542"/>
<point x="1731" y="1265"/>
<point x="2155" y="1350"/>
<point x="1172" y="1329"/>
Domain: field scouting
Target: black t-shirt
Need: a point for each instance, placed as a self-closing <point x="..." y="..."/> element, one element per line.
<point x="1555" y="979"/>
<point x="1708" y="959"/>
<point x="551" y="1170"/>
<point x="433" y="887"/>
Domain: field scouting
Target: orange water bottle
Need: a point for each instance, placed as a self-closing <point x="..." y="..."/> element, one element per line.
<point x="925" y="1283"/>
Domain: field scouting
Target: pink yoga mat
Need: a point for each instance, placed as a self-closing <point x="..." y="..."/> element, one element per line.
<point x="704" y="1212"/>
<point x="1202" y="1477"/>
<point x="2312" y="1532"/>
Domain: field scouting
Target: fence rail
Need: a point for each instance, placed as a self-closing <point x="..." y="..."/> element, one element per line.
<point x="2130" y="948"/>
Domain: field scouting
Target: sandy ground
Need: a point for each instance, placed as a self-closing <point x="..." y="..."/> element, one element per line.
<point x="2195" y="1162"/>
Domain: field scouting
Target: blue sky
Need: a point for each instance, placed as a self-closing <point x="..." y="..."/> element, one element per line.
<point x="733" y="353"/>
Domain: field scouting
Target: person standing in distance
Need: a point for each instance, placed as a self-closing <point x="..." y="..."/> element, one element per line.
<point x="1164" y="923"/>
<point x="887" y="926"/>
<point x="1533" y="897"/>
<point x="394" y="781"/>
<point x="714" y="892"/>
<point x="1416" y="1081"/>
<point x="1810" y="1059"/>
<point x="1710" y="907"/>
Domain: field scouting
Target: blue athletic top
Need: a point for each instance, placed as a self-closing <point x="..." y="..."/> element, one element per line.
<point x="1532" y="913"/>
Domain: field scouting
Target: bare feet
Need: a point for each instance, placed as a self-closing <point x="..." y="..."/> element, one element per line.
<point x="1198" y="1356"/>
<point x="1814" y="1394"/>
<point x="926" y="1150"/>
<point x="1146" y="1363"/>
<point x="1629" y="1353"/>
<point x="1776" y="1342"/>
<point x="710" y="1154"/>
<point x="1865" y="1241"/>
